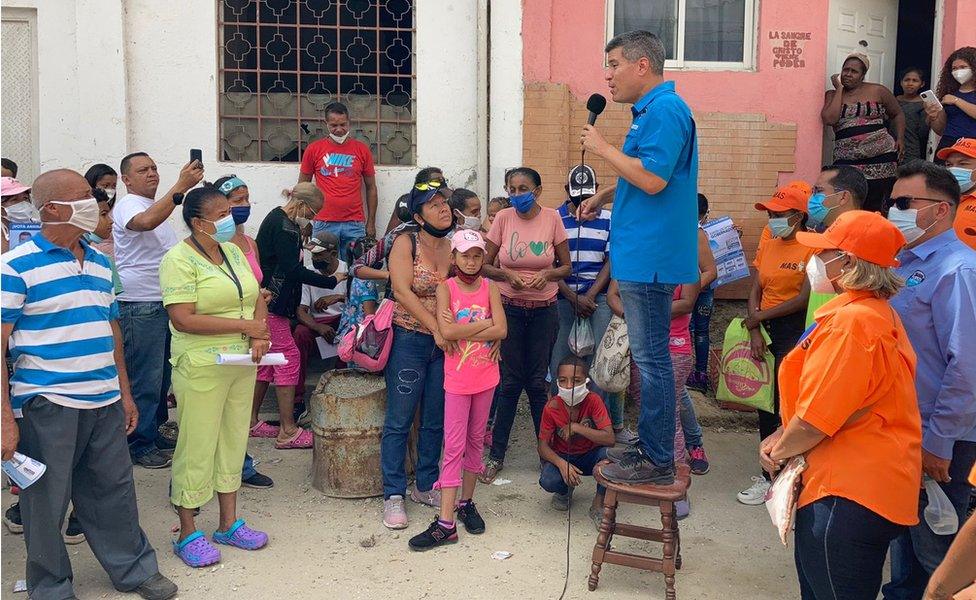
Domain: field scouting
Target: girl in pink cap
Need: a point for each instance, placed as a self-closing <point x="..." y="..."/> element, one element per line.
<point x="469" y="312"/>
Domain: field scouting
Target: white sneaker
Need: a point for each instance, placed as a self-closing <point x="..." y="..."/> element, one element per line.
<point x="755" y="494"/>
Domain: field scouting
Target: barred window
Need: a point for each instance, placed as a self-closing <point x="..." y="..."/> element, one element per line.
<point x="282" y="62"/>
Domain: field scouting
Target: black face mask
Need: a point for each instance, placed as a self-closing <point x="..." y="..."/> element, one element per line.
<point x="438" y="233"/>
<point x="322" y="265"/>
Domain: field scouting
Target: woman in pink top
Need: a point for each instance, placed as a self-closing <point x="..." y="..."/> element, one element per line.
<point x="470" y="313"/>
<point x="528" y="253"/>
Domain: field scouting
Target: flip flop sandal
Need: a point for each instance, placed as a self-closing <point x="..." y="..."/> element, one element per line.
<point x="263" y="430"/>
<point x="241" y="536"/>
<point x="302" y="439"/>
<point x="196" y="551"/>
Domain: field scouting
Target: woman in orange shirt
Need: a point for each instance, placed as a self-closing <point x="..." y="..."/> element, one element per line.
<point x="778" y="299"/>
<point x="848" y="404"/>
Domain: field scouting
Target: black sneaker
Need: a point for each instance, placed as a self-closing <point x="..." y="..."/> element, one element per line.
<point x="619" y="453"/>
<point x="73" y="533"/>
<point x="467" y="513"/>
<point x="165" y="445"/>
<point x="436" y="535"/>
<point x="153" y="459"/>
<point x="258" y="481"/>
<point x="157" y="587"/>
<point x="11" y="519"/>
<point x="638" y="468"/>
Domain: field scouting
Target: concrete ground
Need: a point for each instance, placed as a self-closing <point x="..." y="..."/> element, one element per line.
<point x="323" y="546"/>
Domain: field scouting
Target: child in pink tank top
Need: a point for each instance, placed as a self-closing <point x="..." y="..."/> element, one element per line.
<point x="471" y="316"/>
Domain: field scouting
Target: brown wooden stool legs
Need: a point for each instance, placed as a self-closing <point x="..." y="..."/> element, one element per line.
<point x="607" y="526"/>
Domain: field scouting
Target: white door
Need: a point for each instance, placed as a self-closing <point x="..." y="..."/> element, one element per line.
<point x="868" y="26"/>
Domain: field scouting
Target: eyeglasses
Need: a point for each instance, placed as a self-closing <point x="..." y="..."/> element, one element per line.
<point x="905" y="202"/>
<point x="434" y="184"/>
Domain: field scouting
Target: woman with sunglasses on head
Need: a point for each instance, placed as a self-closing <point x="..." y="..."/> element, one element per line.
<point x="528" y="252"/>
<point x="426" y="179"/>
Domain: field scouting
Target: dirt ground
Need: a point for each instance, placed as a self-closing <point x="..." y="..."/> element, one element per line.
<point x="322" y="546"/>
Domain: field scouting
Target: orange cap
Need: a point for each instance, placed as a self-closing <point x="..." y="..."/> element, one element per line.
<point x="866" y="235"/>
<point x="965" y="146"/>
<point x="792" y="196"/>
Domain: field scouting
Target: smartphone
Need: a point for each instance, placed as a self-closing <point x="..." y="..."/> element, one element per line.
<point x="929" y="98"/>
<point x="196" y="154"/>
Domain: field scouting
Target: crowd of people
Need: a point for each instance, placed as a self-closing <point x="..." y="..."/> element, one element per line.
<point x="865" y="287"/>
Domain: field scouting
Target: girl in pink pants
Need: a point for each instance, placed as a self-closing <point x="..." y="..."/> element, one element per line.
<point x="471" y="321"/>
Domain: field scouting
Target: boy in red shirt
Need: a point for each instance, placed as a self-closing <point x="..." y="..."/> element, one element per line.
<point x="573" y="436"/>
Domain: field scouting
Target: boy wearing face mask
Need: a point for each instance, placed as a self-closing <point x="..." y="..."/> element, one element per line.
<point x="466" y="207"/>
<point x="574" y="435"/>
<point x="961" y="162"/>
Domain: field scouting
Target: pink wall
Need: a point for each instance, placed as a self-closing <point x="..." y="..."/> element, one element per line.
<point x="563" y="42"/>
<point x="958" y="26"/>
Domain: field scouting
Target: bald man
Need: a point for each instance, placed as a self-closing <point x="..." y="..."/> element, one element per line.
<point x="71" y="388"/>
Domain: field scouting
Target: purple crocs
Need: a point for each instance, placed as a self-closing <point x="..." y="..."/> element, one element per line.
<point x="196" y="551"/>
<point x="241" y="536"/>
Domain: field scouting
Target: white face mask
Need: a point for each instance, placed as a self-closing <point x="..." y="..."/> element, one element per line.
<point x="573" y="396"/>
<point x="84" y="214"/>
<point x="907" y="221"/>
<point x="339" y="140"/>
<point x="817" y="274"/>
<point x="963" y="75"/>
<point x="22" y="212"/>
<point x="466" y="222"/>
<point x="110" y="192"/>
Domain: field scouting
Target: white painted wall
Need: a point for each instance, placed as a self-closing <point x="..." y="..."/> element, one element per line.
<point x="505" y="92"/>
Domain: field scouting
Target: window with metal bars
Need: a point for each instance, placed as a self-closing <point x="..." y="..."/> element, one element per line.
<point x="282" y="62"/>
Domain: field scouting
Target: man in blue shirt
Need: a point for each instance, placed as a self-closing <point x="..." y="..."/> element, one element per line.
<point x="938" y="309"/>
<point x="60" y="320"/>
<point x="653" y="244"/>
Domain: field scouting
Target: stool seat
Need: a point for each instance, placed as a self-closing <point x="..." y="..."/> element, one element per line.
<point x="674" y="492"/>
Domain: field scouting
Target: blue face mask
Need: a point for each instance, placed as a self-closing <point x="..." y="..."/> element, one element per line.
<point x="93" y="239"/>
<point x="225" y="229"/>
<point x="240" y="214"/>
<point x="780" y="226"/>
<point x="964" y="176"/>
<point x="819" y="212"/>
<point x="523" y="203"/>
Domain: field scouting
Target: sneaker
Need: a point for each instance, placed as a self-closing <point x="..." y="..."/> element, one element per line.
<point x="755" y="494"/>
<point x="698" y="381"/>
<point x="394" y="513"/>
<point x="619" y="453"/>
<point x="626" y="437"/>
<point x="152" y="460"/>
<point x="170" y="431"/>
<point x="258" y="481"/>
<point x="561" y="502"/>
<point x="157" y="587"/>
<point x="11" y="519"/>
<point x="431" y="497"/>
<point x="165" y="446"/>
<point x="638" y="468"/>
<point x="682" y="508"/>
<point x="436" y="535"/>
<point x="73" y="533"/>
<point x="468" y="514"/>
<point x="698" y="460"/>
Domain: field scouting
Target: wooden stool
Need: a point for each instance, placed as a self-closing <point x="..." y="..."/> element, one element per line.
<point x="664" y="498"/>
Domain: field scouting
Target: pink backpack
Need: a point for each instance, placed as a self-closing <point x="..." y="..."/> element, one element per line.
<point x="368" y="343"/>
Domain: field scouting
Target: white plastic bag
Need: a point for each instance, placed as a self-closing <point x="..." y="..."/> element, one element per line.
<point x="581" y="340"/>
<point x="939" y="513"/>
<point x="783" y="494"/>
<point x="611" y="365"/>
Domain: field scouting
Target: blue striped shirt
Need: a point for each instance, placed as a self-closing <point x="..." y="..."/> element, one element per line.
<point x="587" y="248"/>
<point x="61" y="311"/>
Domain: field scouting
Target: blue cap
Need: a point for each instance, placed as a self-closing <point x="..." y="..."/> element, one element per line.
<point x="419" y="198"/>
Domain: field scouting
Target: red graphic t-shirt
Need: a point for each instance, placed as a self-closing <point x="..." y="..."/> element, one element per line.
<point x="593" y="414"/>
<point x="338" y="170"/>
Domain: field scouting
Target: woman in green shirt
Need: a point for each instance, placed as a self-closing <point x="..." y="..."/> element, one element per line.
<point x="214" y="308"/>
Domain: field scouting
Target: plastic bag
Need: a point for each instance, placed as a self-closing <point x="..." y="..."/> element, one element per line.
<point x="939" y="513"/>
<point x="742" y="379"/>
<point x="611" y="365"/>
<point x="581" y="340"/>
<point x="782" y="496"/>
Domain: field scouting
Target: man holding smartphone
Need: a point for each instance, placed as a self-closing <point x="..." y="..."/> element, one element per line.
<point x="142" y="237"/>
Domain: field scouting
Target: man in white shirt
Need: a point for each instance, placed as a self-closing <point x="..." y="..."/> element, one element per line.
<point x="142" y="236"/>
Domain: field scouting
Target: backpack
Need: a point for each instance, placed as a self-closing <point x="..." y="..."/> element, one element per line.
<point x="368" y="343"/>
<point x="611" y="364"/>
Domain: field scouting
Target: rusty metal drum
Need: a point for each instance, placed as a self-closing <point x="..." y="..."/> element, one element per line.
<point x="347" y="410"/>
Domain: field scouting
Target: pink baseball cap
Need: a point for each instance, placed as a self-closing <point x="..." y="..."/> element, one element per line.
<point x="466" y="239"/>
<point x="12" y="187"/>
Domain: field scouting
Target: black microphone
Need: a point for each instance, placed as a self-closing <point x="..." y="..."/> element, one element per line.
<point x="595" y="105"/>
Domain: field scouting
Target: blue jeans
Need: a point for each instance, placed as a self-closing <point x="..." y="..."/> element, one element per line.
<point x="346" y="231"/>
<point x="145" y="340"/>
<point x="689" y="420"/>
<point x="840" y="549"/>
<point x="700" y="318"/>
<point x="599" y="320"/>
<point x="648" y="310"/>
<point x="249" y="470"/>
<point x="414" y="377"/>
<point x="551" y="479"/>
<point x="918" y="551"/>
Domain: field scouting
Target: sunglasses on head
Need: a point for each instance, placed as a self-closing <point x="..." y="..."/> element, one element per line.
<point x="434" y="184"/>
<point x="905" y="202"/>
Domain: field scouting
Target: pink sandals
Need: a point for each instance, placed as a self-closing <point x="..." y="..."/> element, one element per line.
<point x="301" y="439"/>
<point x="263" y="430"/>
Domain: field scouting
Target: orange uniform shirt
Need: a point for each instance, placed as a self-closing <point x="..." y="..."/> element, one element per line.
<point x="965" y="223"/>
<point x="782" y="267"/>
<point x="858" y="356"/>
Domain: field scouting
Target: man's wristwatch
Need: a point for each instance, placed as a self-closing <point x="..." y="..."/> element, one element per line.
<point x="177" y="198"/>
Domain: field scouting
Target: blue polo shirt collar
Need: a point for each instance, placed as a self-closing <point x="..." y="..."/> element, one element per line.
<point x="646" y="99"/>
<point x="46" y="246"/>
<point x="926" y="249"/>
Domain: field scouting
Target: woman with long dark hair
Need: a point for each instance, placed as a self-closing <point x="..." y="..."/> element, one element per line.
<point x="957" y="93"/>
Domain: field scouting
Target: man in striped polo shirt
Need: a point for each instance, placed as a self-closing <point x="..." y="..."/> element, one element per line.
<point x="59" y="318"/>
